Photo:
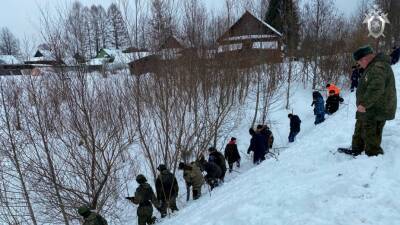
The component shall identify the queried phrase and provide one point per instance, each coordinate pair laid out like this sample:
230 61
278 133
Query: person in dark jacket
91 218
219 159
269 137
376 101
294 126
319 109
332 103
145 198
258 145
232 154
213 173
167 190
355 75
395 55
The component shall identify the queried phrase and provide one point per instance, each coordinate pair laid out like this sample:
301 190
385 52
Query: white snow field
310 183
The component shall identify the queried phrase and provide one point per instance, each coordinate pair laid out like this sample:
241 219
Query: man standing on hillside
294 126
376 101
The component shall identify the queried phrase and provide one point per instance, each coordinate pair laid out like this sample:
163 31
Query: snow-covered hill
310 183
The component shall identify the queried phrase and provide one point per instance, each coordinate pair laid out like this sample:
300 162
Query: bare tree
9 44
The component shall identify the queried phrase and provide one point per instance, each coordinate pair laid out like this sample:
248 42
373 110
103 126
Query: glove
130 198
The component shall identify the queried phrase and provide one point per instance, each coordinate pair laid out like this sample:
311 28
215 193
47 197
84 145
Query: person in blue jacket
319 107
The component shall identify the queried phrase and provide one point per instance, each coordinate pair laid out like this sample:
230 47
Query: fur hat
84 211
161 167
362 52
141 179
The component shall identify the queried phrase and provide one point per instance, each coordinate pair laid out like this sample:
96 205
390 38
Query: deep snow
310 183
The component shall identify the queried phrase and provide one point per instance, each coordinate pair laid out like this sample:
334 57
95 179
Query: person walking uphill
219 159
319 109
193 178
258 145
213 173
144 197
294 126
232 154
332 103
375 99
167 190
91 218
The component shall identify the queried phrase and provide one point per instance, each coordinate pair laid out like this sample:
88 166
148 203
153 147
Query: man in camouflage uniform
376 101
144 197
193 178
91 218
167 190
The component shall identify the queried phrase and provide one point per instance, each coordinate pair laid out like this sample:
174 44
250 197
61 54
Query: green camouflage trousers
145 215
368 137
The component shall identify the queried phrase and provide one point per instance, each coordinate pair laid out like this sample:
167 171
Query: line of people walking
376 103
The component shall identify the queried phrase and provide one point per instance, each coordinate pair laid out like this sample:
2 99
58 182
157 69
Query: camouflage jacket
377 91
193 176
144 196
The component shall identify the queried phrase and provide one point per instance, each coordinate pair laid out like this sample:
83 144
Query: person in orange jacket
332 87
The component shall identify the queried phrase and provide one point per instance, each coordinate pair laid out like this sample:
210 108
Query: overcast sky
21 16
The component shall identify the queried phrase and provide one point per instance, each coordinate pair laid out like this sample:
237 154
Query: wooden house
169 52
250 41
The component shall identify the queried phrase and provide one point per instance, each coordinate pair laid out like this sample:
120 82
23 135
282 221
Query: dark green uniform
91 218
167 191
377 93
193 178
144 197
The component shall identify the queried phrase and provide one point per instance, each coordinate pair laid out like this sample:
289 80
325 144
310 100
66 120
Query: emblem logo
376 21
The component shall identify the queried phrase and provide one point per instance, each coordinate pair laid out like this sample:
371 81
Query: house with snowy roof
250 41
168 54
116 58
44 56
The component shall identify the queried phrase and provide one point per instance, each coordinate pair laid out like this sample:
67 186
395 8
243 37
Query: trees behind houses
284 16
9 44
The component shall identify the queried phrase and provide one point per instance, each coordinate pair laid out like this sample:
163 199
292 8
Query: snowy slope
309 184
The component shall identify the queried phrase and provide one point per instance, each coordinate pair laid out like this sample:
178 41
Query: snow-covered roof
118 56
240 31
46 55
9 59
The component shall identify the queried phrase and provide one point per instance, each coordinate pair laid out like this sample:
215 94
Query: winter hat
233 139
141 179
161 167
328 85
84 211
362 52
212 149
259 126
290 115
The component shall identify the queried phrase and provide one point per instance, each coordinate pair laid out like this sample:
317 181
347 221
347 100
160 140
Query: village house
250 41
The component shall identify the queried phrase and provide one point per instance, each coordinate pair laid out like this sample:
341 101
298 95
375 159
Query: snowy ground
310 183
